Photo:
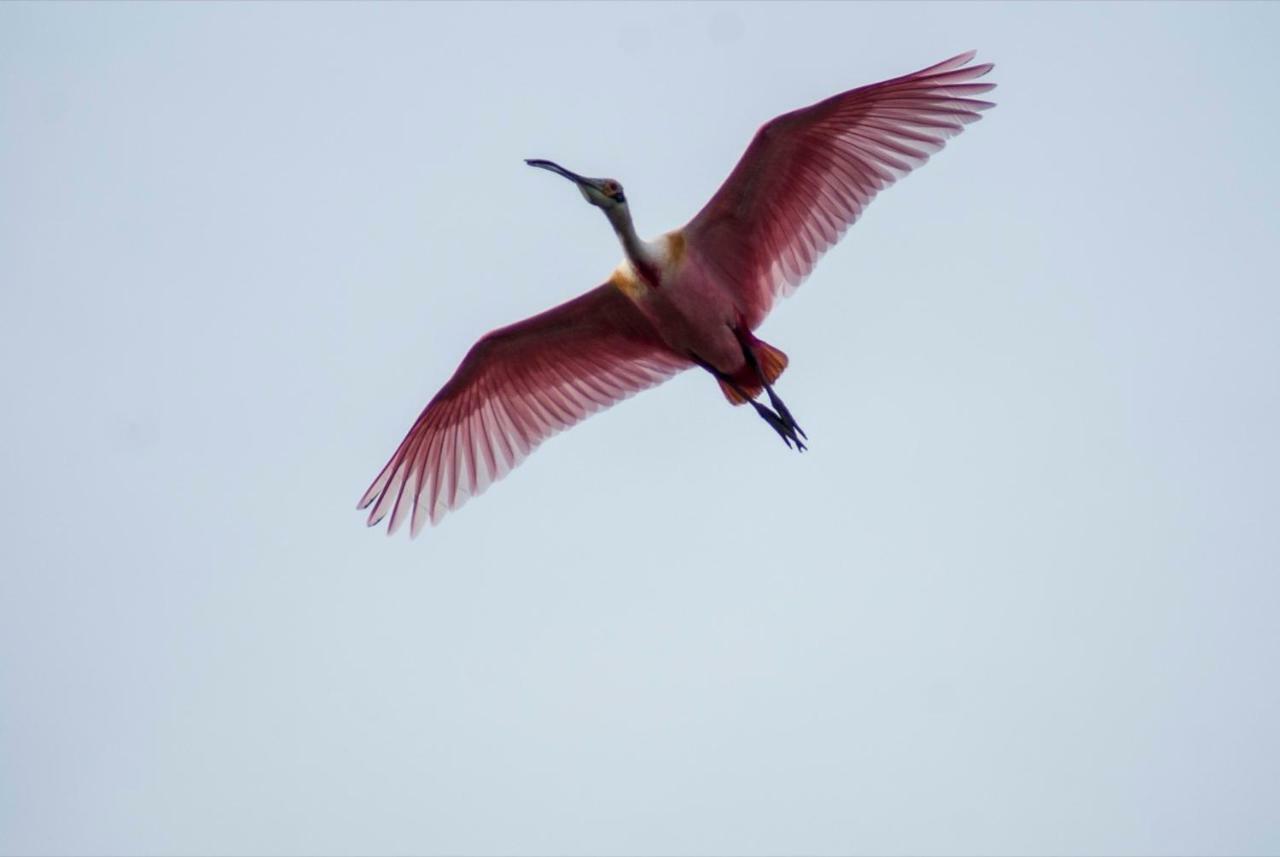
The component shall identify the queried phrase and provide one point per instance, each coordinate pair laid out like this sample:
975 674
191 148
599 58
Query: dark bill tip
555 168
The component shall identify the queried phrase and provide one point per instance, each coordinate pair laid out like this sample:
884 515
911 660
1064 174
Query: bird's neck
638 252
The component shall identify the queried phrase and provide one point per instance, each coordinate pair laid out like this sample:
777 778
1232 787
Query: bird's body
690 297
691 310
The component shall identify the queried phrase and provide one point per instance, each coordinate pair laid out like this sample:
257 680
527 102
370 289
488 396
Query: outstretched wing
808 174
515 388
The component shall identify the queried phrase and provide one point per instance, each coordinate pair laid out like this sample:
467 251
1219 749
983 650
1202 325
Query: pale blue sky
1020 596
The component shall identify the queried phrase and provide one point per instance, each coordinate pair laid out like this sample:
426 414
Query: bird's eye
613 190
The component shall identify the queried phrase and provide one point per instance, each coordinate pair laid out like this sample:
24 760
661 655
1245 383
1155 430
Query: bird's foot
785 427
785 414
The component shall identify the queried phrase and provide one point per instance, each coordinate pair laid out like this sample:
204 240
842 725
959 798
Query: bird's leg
778 406
777 423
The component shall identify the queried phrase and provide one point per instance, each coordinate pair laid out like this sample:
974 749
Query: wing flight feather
515 388
808 175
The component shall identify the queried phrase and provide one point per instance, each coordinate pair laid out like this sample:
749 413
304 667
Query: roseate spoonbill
691 297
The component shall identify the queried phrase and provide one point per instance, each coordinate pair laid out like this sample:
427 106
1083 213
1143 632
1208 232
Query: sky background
1020 596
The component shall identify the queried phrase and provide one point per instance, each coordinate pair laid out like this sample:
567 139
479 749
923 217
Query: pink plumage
518 386
808 174
690 298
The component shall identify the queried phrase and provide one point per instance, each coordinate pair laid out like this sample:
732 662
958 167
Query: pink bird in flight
689 298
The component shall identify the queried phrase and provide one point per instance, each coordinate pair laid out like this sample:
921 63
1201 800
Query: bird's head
602 193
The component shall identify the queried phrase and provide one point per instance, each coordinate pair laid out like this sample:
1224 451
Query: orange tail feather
772 362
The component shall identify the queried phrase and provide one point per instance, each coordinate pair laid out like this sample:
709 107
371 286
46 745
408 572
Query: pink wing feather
808 175
518 386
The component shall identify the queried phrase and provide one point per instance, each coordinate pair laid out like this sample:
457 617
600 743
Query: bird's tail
772 361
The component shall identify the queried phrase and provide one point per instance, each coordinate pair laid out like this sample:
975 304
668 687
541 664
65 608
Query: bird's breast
689 309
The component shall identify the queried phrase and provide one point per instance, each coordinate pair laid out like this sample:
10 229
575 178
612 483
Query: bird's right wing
808 175
516 387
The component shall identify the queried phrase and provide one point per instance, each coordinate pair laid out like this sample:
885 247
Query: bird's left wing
808 175
515 388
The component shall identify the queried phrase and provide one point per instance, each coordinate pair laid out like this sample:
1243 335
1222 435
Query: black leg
773 397
784 426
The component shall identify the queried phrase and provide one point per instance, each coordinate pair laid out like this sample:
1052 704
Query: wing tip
958 64
949 64
371 493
